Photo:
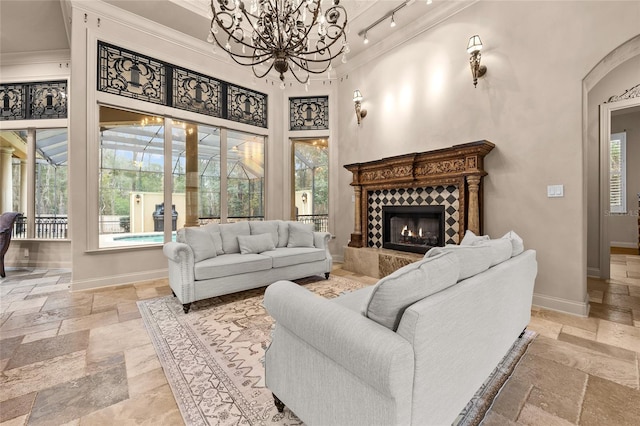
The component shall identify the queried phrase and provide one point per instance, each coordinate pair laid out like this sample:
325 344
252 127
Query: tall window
618 173
311 181
46 152
203 160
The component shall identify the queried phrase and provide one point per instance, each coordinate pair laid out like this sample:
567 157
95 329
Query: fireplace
413 228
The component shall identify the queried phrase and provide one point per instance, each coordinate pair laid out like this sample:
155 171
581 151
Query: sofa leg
174 293
279 404
186 307
326 275
522 334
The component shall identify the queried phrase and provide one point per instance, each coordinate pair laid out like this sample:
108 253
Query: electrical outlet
26 252
555 191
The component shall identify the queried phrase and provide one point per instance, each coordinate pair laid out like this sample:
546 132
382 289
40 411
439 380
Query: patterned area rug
212 357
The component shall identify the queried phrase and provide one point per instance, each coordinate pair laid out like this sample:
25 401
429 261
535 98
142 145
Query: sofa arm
372 352
181 270
321 240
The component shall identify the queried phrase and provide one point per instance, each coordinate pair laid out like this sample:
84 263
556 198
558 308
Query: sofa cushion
396 292
268 227
201 243
231 264
300 235
255 243
283 233
470 237
517 244
230 232
355 300
500 249
285 256
472 259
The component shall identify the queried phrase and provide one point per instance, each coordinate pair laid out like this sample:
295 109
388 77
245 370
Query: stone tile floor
85 358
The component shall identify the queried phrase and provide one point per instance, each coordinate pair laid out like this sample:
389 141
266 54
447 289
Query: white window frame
622 207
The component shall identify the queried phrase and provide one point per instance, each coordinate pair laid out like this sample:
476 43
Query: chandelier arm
334 40
265 73
298 78
305 66
313 23
260 58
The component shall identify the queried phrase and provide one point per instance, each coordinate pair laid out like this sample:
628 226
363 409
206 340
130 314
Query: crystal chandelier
298 36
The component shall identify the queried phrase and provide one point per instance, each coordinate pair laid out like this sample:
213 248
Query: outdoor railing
46 227
320 221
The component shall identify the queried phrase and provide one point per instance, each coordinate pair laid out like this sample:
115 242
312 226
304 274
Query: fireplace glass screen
413 228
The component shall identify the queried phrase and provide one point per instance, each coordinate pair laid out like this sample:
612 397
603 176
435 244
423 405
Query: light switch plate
555 191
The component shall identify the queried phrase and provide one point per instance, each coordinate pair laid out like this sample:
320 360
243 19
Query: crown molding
38 57
445 11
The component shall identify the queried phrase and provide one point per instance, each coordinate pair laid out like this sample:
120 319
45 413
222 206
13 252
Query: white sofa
218 259
413 349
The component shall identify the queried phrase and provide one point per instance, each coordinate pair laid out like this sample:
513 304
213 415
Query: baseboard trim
621 244
115 280
593 272
562 305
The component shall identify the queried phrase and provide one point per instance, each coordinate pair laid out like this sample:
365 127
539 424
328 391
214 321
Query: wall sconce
477 70
357 100
138 197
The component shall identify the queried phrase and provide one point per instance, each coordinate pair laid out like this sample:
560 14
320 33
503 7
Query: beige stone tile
49 289
154 407
622 300
114 338
16 407
88 322
596 296
597 284
141 359
579 332
618 289
145 382
111 298
588 324
611 313
41 335
41 375
26 330
614 351
147 293
590 361
494 419
634 291
18 421
545 327
620 335
25 311
27 304
608 403
535 416
511 398
556 405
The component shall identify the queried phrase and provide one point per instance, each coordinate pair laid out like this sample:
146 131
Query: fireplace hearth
414 229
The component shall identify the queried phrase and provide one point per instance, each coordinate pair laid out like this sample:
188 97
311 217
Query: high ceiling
38 25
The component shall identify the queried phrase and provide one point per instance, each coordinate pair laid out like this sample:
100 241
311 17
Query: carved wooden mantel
460 165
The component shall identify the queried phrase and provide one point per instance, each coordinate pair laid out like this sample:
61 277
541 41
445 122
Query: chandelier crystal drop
296 36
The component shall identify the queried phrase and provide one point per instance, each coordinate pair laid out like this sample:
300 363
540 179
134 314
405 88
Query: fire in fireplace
412 228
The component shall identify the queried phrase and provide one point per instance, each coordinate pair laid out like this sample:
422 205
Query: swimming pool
144 238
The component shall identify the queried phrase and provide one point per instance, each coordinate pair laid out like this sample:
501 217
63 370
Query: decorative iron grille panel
13 99
197 93
309 113
49 100
129 74
246 106
126 73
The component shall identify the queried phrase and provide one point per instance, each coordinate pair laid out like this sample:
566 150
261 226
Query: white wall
420 97
623 229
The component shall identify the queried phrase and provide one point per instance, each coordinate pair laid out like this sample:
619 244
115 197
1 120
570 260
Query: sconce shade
475 44
357 96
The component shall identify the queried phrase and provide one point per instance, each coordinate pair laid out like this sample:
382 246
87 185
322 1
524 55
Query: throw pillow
217 242
270 227
201 243
283 233
500 249
255 243
472 259
393 294
517 244
229 233
470 237
300 234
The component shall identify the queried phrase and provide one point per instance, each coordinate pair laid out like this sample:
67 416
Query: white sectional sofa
218 259
411 350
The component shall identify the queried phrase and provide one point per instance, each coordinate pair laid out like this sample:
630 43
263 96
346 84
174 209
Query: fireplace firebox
412 228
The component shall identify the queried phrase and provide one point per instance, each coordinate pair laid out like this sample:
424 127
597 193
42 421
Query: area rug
213 356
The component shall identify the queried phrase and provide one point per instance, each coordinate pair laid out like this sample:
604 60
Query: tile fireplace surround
451 177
